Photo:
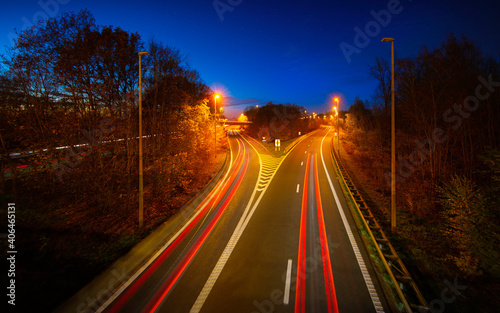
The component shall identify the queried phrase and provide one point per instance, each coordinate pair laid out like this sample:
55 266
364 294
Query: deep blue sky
280 51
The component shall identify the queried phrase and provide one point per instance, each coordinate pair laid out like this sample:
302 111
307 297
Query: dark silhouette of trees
447 112
282 121
360 115
71 82
68 92
381 71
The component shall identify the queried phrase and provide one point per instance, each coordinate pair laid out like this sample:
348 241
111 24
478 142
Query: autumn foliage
69 105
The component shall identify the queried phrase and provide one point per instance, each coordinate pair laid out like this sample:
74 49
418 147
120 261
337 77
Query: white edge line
286 297
354 245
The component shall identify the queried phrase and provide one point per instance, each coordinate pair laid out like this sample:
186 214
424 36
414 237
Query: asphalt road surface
275 235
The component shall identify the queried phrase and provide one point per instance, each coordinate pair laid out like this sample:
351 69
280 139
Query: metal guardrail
404 285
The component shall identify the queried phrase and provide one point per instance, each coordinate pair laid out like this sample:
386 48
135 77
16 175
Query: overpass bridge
232 123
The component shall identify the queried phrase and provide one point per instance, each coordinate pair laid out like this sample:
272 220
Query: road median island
91 297
286 146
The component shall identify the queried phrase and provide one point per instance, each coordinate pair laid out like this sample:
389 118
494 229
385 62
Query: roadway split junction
271 235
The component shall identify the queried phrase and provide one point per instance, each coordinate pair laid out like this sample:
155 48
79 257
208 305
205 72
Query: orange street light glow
219 91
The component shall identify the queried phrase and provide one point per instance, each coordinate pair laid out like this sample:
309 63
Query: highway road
275 235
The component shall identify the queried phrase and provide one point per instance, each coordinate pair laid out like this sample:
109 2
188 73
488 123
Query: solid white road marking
286 297
301 163
298 186
354 245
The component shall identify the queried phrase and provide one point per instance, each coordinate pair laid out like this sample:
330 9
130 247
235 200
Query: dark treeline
278 121
447 151
69 82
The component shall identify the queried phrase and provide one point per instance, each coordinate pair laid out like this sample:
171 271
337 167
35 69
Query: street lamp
338 126
141 181
215 124
393 141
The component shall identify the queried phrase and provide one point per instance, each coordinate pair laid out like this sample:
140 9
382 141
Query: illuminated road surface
270 238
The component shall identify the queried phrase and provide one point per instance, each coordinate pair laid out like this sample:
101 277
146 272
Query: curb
95 293
247 137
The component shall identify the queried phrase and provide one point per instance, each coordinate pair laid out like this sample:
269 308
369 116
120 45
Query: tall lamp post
215 124
141 181
393 141
338 126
